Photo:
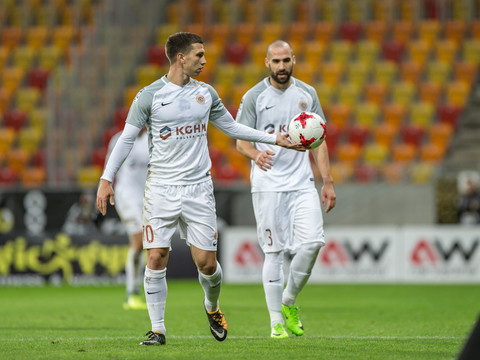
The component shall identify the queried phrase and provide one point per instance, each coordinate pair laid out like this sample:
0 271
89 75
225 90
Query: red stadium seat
412 134
393 51
38 78
350 31
120 116
108 134
236 53
15 119
357 135
8 176
448 113
99 155
156 55
366 173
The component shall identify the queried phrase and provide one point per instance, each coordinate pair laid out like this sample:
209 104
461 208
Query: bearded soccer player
285 200
176 110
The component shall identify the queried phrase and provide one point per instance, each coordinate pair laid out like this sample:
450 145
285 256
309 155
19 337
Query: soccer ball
307 128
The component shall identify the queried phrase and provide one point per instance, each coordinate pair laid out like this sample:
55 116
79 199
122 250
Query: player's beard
277 79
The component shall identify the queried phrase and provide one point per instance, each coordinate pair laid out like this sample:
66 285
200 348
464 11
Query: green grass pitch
341 322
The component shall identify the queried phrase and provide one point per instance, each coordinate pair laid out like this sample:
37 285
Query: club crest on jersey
200 99
165 132
302 105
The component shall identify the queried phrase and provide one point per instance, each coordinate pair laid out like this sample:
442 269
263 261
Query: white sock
134 271
300 271
273 280
211 285
155 284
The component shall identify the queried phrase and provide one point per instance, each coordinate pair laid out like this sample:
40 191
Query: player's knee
157 258
312 248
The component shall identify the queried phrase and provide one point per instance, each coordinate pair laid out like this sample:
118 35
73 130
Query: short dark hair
180 42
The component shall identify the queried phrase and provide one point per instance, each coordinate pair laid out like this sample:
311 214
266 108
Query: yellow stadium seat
238 90
29 139
332 72
446 51
5 98
27 98
366 114
418 51
227 74
314 52
325 93
421 113
324 31
349 93
304 71
130 94
367 51
49 57
358 72
37 36
246 33
457 93
271 31
251 73
428 30
12 78
438 72
89 175
62 36
341 51
298 31
258 53
38 117
384 72
421 173
403 93
7 138
4 55
164 31
341 171
375 154
465 72
471 50
145 74
384 133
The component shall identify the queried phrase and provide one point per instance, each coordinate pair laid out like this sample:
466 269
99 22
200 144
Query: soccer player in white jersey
176 110
129 187
285 200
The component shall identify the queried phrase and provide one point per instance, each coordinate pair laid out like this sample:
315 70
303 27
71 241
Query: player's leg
198 225
309 235
134 270
272 233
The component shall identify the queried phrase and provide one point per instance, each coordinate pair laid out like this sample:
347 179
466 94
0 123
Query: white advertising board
369 254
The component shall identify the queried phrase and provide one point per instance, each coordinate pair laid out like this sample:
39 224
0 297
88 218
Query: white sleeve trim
120 151
231 128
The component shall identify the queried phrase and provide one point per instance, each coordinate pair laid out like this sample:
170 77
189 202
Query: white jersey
269 109
131 177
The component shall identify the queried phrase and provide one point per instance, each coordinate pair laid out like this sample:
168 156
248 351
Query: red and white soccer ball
308 128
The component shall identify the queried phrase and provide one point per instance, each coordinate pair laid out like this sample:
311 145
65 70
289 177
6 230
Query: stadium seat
5 97
471 50
306 72
17 159
164 31
37 36
156 55
7 137
350 31
404 152
418 51
349 93
109 132
412 134
11 36
365 173
440 134
38 78
271 31
236 53
357 135
324 31
38 117
99 155
456 93
446 51
8 176
220 33
375 92
428 30
339 114
358 72
145 74
394 114
402 31
88 176
298 31
341 171
438 72
421 172
367 51
258 52
334 134
120 116
33 176
475 29
455 30
384 72
348 153
29 139
449 114
332 72
227 74
4 55
375 154
403 93
384 133
314 52
12 77
23 57
341 51
430 92
238 90
394 172
375 31
366 114
49 57
240 163
226 173
411 71
27 98
325 93
213 52
465 72
129 95
62 36
245 33
393 51
421 114
15 119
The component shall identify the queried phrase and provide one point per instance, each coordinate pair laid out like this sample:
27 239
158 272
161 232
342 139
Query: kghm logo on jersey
200 99
165 132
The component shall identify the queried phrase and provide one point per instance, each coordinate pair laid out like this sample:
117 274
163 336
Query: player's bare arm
263 159
104 194
328 195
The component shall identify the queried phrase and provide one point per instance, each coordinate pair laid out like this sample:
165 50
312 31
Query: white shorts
285 220
190 207
129 208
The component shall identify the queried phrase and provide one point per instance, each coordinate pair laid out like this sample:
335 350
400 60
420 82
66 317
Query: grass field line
194 337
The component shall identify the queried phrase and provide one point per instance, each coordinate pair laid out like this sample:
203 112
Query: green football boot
291 319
